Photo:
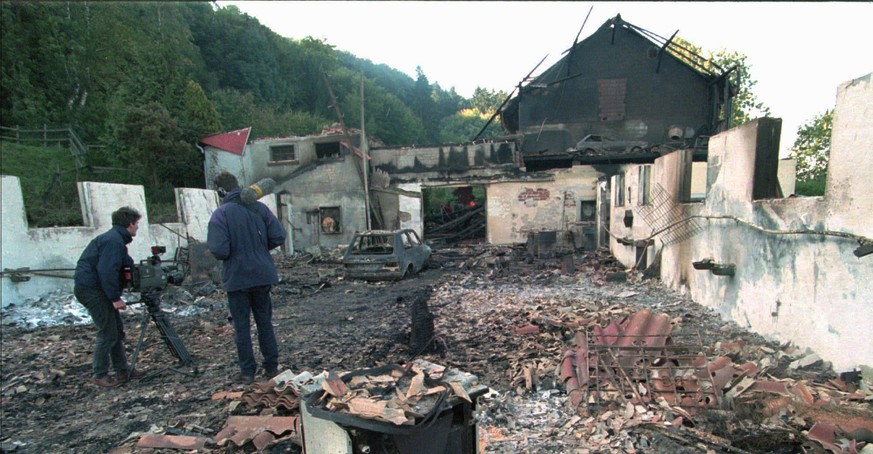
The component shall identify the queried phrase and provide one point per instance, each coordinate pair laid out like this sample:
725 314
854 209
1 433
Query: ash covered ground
481 298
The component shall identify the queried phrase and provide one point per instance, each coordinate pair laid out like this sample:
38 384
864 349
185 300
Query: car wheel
410 270
636 149
589 151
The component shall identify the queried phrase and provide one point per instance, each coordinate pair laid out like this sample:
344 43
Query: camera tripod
152 301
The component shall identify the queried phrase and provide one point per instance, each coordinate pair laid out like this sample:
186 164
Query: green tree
238 110
487 101
424 107
465 124
152 146
812 147
199 115
745 104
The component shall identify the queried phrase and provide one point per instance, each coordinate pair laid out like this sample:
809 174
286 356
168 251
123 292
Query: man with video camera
99 280
241 233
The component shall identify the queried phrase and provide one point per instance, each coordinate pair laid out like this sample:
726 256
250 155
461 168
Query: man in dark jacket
98 287
241 235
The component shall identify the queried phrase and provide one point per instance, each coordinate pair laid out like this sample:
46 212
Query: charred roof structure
623 83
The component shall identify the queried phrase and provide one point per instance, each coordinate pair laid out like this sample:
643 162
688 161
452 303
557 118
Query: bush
813 187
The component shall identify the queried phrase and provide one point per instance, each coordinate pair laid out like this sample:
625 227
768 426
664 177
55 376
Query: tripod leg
142 331
173 341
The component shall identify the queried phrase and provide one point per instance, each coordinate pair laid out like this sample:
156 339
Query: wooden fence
62 136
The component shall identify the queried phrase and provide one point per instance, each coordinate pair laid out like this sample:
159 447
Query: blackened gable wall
554 115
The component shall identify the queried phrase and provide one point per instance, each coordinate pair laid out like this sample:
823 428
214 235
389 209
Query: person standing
98 284
241 236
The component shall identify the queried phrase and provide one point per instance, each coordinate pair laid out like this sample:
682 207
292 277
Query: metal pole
365 151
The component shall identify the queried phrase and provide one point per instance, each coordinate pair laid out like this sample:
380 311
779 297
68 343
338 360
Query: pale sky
798 52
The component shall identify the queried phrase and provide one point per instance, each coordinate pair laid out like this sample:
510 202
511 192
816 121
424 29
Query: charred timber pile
456 226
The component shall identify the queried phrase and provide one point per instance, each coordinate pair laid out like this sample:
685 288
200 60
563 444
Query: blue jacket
100 265
242 237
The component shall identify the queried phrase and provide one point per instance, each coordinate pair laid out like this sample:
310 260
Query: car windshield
373 244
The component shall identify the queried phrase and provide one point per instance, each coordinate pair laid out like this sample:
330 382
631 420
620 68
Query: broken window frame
278 154
335 214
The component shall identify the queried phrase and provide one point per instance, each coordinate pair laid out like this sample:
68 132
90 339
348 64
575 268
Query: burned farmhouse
622 82
623 271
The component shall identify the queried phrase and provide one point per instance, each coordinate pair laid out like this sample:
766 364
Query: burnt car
385 254
592 143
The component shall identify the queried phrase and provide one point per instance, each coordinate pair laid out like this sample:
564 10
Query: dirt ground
479 297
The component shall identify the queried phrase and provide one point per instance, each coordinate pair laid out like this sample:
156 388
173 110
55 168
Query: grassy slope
48 179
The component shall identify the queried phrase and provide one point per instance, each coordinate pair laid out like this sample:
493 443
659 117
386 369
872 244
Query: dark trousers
255 301
110 331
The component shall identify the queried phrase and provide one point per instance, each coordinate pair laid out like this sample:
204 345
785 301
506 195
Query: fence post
17 133
44 135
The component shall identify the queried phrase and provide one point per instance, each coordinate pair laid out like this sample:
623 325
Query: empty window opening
645 191
410 240
377 244
692 178
282 153
330 219
619 190
327 150
587 211
765 182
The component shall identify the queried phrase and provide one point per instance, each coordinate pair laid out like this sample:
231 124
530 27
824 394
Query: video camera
149 278
151 275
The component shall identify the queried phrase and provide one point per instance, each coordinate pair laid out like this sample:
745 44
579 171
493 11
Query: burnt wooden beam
664 49
496 112
458 221
576 40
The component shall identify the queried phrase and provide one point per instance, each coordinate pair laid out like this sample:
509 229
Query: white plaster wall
412 206
516 208
217 161
850 166
807 289
195 207
59 247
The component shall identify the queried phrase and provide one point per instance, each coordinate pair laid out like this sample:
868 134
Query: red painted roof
233 141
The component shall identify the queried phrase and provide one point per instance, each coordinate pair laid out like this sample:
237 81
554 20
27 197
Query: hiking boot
122 376
270 373
106 381
243 379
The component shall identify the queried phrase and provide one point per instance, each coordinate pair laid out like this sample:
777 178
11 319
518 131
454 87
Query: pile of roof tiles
395 395
634 365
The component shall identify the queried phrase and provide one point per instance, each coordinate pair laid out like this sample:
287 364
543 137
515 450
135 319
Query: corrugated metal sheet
233 141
